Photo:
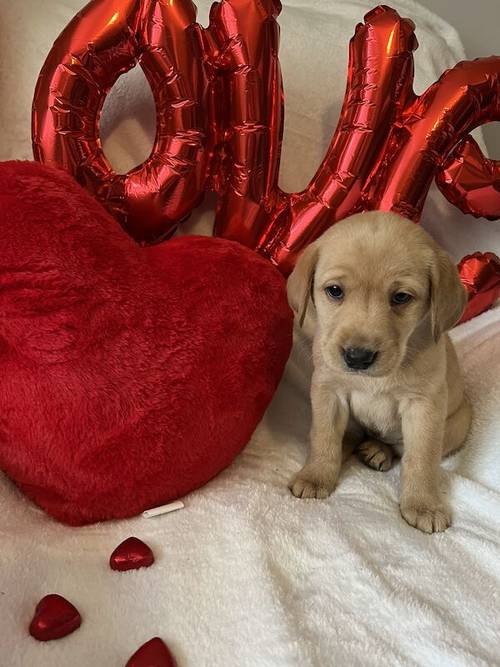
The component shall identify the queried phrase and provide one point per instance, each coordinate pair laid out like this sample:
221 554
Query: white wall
478 23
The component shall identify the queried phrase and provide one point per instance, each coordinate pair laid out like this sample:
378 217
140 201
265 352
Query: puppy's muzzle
358 358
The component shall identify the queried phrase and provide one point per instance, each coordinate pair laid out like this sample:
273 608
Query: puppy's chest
378 415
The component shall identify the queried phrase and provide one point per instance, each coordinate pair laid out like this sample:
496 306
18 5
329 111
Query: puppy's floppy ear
448 295
300 282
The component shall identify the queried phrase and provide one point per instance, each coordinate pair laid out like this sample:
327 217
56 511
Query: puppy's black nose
358 358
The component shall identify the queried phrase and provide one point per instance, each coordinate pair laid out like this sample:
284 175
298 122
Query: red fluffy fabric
128 376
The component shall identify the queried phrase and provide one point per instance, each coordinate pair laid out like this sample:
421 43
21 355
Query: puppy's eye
335 292
399 298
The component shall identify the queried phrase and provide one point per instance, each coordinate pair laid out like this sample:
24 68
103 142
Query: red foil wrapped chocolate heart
54 618
154 653
131 554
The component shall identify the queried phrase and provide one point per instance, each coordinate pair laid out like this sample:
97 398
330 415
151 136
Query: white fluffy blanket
247 575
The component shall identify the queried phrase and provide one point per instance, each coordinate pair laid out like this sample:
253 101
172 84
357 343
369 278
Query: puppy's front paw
427 517
313 482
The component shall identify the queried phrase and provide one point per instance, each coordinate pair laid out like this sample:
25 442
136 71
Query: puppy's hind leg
353 437
376 454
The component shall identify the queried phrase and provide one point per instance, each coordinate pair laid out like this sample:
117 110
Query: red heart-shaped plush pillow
128 376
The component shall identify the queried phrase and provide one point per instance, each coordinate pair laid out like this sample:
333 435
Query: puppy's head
376 286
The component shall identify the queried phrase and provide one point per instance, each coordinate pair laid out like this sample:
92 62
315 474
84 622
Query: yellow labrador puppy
377 295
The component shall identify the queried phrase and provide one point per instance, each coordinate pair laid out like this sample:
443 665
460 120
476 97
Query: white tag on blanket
163 509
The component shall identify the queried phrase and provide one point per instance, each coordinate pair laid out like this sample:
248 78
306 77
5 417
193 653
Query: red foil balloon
480 274
242 46
219 101
104 40
470 181
389 143
388 146
464 97
378 85
54 618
